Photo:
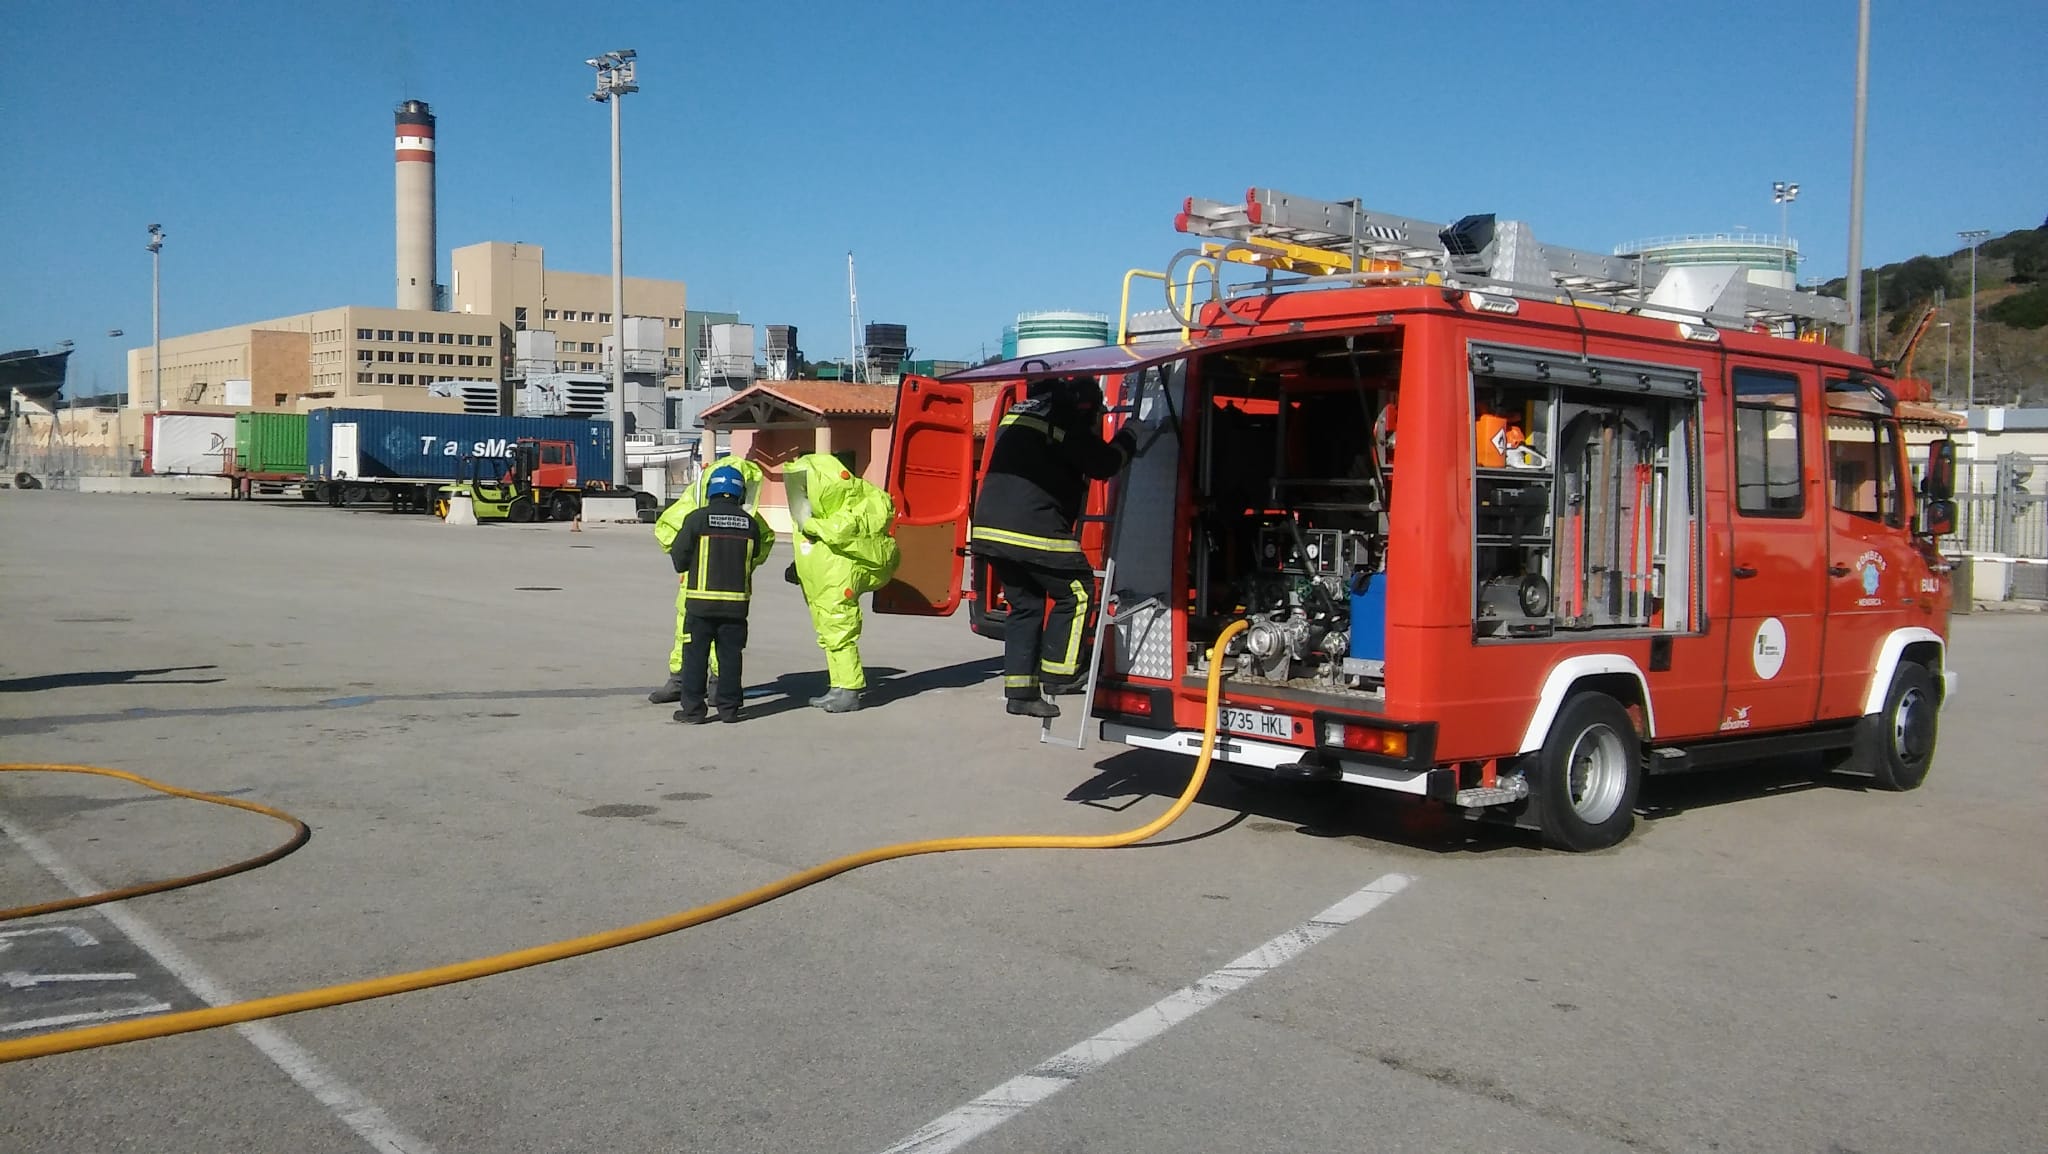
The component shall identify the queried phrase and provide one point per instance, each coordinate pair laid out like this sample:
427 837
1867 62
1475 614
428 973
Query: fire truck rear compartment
1291 493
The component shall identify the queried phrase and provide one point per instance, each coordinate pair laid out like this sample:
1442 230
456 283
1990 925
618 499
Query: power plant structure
414 140
1053 331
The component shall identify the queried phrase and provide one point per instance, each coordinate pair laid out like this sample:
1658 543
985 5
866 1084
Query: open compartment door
931 481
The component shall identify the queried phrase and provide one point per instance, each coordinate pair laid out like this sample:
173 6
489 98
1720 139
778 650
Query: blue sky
980 157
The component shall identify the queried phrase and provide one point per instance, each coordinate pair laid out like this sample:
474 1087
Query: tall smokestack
415 141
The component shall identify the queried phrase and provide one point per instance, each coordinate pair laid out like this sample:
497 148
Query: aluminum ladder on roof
1280 231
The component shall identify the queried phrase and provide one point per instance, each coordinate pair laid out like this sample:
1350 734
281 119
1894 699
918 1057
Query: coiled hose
277 1005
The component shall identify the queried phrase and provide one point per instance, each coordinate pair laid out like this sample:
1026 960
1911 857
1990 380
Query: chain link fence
53 460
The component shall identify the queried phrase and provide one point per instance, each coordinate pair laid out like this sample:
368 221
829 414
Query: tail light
1129 702
1365 738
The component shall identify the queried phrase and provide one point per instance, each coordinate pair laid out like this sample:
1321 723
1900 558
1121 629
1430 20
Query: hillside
2012 316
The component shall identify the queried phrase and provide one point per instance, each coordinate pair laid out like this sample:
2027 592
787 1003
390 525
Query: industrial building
368 356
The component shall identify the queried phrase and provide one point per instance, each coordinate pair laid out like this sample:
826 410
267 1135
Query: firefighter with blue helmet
1047 451
665 529
715 553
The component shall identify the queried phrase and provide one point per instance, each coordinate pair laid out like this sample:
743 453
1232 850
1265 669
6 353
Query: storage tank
1771 260
1059 330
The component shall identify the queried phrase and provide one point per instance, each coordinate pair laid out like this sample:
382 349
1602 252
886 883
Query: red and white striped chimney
416 253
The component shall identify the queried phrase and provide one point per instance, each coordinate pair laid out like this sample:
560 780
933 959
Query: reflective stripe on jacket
1037 484
716 550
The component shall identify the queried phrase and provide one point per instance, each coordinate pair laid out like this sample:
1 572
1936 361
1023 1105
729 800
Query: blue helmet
725 482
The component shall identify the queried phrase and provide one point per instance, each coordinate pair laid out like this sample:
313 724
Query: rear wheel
1588 774
1896 745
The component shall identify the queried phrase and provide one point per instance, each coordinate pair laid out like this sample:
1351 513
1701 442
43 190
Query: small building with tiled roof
775 422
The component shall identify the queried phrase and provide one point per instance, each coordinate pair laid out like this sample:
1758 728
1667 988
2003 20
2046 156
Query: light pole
1852 340
615 78
1948 349
1973 237
156 328
1784 194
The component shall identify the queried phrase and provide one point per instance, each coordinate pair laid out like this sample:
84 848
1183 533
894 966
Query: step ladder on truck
1514 526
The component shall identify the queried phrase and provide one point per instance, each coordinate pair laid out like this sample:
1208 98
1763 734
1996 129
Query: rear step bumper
1284 764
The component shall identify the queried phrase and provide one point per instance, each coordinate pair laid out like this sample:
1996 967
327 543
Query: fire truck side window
1863 468
1769 455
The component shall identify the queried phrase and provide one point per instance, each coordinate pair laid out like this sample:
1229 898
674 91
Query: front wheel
521 510
564 506
1588 774
1896 745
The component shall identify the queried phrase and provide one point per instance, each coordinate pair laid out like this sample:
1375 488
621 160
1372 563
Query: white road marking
23 980
77 936
345 1102
142 1004
999 1105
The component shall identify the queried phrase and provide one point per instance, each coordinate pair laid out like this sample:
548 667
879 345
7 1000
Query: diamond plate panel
1144 643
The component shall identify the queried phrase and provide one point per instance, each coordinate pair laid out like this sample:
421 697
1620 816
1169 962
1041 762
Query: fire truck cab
1507 538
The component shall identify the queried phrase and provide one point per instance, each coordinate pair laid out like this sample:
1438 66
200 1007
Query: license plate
1252 723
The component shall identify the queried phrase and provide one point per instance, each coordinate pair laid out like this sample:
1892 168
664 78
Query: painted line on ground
351 1106
997 1106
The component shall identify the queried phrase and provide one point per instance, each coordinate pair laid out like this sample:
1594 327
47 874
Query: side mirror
1940 481
1938 518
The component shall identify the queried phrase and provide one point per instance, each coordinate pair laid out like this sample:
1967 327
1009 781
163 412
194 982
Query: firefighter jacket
716 550
1037 483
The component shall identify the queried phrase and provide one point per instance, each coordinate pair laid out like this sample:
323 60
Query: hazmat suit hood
848 516
671 520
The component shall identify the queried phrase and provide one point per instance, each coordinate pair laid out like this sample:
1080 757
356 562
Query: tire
564 506
521 511
1896 747
1588 775
644 502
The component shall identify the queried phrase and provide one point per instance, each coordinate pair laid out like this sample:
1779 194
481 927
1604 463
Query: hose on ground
254 1009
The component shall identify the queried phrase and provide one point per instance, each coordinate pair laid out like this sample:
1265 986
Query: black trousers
1038 646
729 634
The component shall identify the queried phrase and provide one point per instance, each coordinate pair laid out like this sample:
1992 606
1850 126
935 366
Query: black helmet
1083 394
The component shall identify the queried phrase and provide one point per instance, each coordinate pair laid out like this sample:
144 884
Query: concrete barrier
597 509
181 486
461 511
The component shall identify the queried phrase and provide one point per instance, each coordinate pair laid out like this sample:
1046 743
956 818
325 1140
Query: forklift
499 488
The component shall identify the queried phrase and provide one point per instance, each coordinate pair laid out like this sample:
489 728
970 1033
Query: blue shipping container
390 445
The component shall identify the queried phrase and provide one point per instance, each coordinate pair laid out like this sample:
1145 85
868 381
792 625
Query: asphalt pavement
1774 962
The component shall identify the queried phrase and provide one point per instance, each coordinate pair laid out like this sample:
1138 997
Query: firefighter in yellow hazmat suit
665 529
843 550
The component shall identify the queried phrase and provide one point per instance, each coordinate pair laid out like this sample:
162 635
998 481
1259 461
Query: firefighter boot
838 700
1032 707
670 692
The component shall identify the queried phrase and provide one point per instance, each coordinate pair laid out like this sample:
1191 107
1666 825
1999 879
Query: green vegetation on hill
2012 316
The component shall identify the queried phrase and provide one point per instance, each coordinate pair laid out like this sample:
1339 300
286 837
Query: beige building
513 282
373 356
325 354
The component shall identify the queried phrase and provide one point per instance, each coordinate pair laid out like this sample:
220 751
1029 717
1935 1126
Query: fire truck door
1778 553
931 481
1874 579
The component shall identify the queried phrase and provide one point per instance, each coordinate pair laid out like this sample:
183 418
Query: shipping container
388 445
188 443
271 444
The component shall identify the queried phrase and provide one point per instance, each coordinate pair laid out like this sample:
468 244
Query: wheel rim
1596 774
1912 727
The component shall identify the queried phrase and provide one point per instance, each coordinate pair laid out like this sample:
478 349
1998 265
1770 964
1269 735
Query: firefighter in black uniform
1047 450
715 551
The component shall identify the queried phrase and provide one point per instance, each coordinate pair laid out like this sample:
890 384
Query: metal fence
51 459
2001 507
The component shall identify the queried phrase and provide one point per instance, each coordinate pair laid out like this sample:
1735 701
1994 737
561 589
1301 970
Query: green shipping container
271 443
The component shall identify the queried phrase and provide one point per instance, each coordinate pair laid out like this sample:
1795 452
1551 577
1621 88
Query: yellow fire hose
93 1037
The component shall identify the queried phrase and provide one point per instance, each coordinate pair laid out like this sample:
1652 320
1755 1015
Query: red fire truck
1513 526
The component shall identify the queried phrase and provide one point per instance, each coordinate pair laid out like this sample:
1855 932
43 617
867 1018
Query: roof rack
1343 240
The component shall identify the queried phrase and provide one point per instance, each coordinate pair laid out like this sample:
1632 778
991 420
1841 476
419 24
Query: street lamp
1973 237
1948 348
156 328
615 78
1784 194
